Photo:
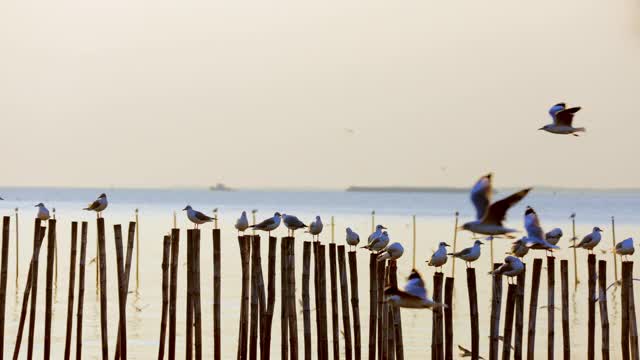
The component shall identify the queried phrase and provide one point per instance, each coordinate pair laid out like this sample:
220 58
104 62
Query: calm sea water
434 214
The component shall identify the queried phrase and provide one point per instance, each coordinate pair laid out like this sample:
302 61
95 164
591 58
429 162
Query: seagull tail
438 306
88 209
581 129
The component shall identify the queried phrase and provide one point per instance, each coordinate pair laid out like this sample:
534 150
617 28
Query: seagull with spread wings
563 120
414 295
197 217
98 205
536 238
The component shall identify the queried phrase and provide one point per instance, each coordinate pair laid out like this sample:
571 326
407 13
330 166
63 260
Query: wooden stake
496 304
291 299
122 303
508 321
34 292
253 324
551 308
615 256
355 304
72 278
51 245
533 308
627 281
473 313
127 274
437 346
602 300
397 318
333 275
306 301
3 279
633 326
284 309
344 295
322 282
592 307
166 249
82 263
189 298
382 312
519 331
197 301
217 277
448 318
173 291
245 252
271 297
566 335
373 304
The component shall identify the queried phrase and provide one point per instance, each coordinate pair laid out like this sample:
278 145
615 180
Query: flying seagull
519 248
197 217
562 120
535 239
98 205
414 295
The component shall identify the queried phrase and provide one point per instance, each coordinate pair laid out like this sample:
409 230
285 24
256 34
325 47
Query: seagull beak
447 245
481 243
541 128
184 209
384 228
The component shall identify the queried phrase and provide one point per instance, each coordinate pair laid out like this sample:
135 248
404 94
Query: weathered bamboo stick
217 277
131 235
397 318
166 249
344 296
243 329
137 226
333 276
508 321
519 331
613 244
291 299
373 304
575 255
3 279
34 293
591 344
533 308
551 306
82 263
284 309
355 304
602 300
496 306
262 302
322 282
189 298
566 335
173 291
438 343
122 303
627 280
633 326
197 301
51 245
381 268
72 278
316 293
17 245
391 341
253 320
448 318
102 255
271 297
473 313
306 301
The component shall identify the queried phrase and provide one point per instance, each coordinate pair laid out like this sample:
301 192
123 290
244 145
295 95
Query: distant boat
220 187
407 189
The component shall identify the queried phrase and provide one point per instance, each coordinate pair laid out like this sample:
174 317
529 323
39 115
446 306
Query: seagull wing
565 117
202 217
585 240
532 224
415 286
463 252
481 195
265 223
503 268
94 205
497 211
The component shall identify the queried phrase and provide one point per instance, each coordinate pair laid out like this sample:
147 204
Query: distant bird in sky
519 248
292 223
553 236
391 252
414 295
197 217
489 216
43 212
353 239
469 254
242 223
439 257
512 267
315 228
98 205
625 247
590 241
269 224
378 243
562 120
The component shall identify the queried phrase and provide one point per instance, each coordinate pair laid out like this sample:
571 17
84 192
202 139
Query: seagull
242 223
352 239
98 205
562 120
43 213
378 243
489 217
553 236
625 247
292 223
512 267
535 238
391 252
197 217
269 224
469 254
376 234
315 228
439 257
519 248
414 295
590 241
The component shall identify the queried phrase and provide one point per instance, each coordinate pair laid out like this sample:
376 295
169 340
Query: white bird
269 224
553 236
43 212
414 295
242 223
562 120
98 205
376 234
535 238
391 252
489 216
315 228
197 217
519 248
590 241
292 223
378 243
439 257
625 247
353 239
512 267
469 254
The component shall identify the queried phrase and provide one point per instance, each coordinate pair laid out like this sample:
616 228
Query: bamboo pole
355 304
117 230
566 336
633 326
382 312
166 249
271 297
316 293
455 248
102 257
217 277
448 318
519 331
82 263
591 261
173 291
127 274
51 245
575 255
533 308
437 346
322 282
245 252
397 318
3 279
197 301
34 292
306 301
344 295
496 303
413 259
627 280
473 313
137 252
189 298
551 284
262 303
373 220
55 255
70 298
602 300
291 299
284 309
333 275
373 305
17 245
613 244
253 324
508 321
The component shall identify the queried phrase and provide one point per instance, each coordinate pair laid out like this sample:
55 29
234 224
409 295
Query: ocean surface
434 223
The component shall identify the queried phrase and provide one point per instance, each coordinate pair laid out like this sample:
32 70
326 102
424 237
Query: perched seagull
562 120
519 248
489 216
242 223
553 236
98 205
413 296
376 234
512 267
469 254
391 252
43 213
197 217
352 239
269 224
590 241
439 257
292 223
625 247
315 228
378 243
535 238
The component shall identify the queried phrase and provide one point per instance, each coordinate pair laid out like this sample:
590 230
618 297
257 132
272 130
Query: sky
317 94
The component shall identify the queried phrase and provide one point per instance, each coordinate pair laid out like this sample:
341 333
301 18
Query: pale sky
258 93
